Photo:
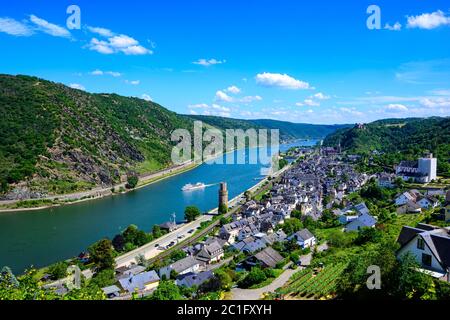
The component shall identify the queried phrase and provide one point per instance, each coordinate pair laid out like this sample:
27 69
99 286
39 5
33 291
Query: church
423 170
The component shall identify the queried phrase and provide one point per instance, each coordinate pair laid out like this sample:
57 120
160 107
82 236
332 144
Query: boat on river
192 187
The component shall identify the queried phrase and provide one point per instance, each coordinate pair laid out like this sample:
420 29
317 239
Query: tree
101 254
368 235
156 231
132 182
255 276
292 225
296 214
118 243
135 236
223 209
411 284
103 278
191 213
339 239
58 270
177 255
167 290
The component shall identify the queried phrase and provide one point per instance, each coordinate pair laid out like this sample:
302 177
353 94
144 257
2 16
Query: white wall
412 248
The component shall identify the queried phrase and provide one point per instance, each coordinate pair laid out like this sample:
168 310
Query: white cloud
428 20
396 27
133 82
441 92
122 41
281 81
113 73
50 28
435 102
396 108
136 50
248 99
311 103
146 97
208 62
100 46
116 43
101 31
77 86
222 96
352 111
101 73
233 90
210 110
321 96
14 28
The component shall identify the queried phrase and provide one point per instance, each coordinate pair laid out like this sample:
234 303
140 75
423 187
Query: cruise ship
190 187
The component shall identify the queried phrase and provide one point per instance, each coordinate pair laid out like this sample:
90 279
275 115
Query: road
152 254
256 294
100 192
151 249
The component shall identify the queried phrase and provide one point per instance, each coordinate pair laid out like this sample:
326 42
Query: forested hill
288 130
58 140
62 140
399 139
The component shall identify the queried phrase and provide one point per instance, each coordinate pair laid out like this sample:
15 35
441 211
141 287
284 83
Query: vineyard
306 284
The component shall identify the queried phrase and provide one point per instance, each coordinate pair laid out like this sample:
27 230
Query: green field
310 285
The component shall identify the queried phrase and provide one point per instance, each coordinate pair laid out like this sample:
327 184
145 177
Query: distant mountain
399 138
288 130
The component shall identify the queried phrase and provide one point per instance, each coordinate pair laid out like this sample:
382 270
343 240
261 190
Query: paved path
256 294
99 192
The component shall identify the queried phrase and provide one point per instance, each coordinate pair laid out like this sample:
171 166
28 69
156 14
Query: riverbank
95 194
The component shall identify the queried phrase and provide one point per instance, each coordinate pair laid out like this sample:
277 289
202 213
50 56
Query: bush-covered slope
399 139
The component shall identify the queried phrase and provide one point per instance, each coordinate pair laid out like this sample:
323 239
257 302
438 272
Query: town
284 238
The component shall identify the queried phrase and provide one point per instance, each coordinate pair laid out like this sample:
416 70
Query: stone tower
223 195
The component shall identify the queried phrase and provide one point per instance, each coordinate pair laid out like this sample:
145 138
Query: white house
364 219
430 246
405 197
304 238
142 282
427 202
183 266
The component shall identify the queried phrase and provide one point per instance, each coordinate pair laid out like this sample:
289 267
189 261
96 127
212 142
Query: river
40 238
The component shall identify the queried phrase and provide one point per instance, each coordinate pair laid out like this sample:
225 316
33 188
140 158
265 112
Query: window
420 244
426 259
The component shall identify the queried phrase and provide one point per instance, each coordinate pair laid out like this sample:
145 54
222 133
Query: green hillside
399 139
60 140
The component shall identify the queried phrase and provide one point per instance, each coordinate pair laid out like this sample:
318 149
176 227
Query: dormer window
420 244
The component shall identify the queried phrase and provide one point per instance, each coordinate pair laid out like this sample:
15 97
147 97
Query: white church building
423 170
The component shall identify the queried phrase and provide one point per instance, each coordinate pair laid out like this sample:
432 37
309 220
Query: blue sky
300 61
